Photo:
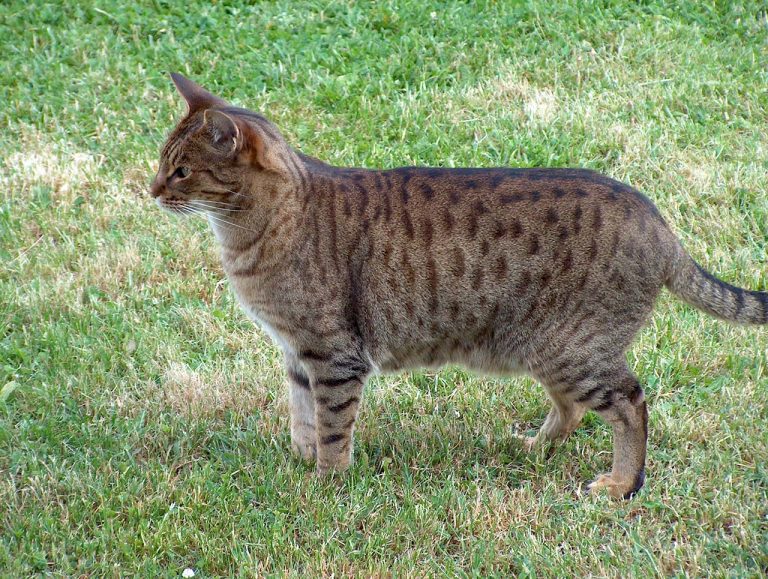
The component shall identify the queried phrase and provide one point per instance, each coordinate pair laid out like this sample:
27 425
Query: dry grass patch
39 161
193 394
198 394
542 106
509 93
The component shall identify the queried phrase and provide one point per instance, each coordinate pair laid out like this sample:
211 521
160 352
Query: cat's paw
304 449
327 470
529 443
332 462
617 487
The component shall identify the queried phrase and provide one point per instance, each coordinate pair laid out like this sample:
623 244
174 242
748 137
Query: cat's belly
477 358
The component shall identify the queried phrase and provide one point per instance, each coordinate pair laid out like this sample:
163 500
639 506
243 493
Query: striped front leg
337 377
337 400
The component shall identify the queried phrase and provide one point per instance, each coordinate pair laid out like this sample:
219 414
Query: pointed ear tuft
196 96
225 135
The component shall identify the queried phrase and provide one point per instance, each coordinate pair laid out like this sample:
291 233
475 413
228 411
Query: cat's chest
264 307
270 326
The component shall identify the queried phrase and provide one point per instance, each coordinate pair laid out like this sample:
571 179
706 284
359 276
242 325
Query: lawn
143 418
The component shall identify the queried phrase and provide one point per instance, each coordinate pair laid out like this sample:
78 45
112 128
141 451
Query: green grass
143 419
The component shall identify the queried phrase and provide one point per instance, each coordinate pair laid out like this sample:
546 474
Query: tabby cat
548 272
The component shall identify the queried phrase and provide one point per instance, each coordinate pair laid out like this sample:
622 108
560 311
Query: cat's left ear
196 96
225 136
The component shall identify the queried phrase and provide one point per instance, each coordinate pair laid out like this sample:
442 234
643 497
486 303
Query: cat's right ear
223 133
197 97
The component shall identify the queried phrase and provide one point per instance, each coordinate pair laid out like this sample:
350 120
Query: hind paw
529 443
617 487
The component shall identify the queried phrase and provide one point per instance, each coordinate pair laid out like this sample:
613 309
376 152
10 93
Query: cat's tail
701 289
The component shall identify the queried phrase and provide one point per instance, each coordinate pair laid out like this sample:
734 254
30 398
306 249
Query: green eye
182 172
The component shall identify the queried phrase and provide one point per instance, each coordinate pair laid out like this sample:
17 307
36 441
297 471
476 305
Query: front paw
327 469
332 460
304 445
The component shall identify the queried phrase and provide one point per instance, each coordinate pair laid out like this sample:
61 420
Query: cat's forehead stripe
175 143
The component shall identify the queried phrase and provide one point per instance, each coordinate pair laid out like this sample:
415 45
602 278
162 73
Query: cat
547 272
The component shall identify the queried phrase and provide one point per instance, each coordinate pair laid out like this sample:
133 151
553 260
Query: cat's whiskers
236 193
224 204
211 205
221 221
186 209
215 202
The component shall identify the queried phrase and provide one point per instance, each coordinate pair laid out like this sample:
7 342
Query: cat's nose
155 188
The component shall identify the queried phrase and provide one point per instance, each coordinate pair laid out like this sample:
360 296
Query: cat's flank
548 272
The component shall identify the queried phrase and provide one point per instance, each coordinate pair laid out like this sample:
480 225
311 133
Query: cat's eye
182 172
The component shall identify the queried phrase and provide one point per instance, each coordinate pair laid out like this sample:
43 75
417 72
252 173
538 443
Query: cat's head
218 157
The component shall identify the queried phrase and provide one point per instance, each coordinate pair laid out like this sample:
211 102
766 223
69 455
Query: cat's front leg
302 403
337 385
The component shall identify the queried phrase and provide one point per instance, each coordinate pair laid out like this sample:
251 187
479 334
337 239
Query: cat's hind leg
563 418
608 387
624 408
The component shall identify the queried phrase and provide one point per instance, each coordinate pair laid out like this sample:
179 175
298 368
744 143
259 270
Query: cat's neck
274 204
236 229
241 227
264 225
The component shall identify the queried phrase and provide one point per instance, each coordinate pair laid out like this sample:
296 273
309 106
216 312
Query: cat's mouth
175 205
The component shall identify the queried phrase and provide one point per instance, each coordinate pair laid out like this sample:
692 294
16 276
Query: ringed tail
703 290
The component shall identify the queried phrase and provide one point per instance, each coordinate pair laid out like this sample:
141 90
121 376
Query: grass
143 419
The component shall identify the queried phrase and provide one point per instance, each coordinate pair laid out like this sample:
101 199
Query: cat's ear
225 135
196 96
227 138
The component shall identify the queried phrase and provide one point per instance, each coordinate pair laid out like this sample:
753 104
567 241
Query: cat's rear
503 269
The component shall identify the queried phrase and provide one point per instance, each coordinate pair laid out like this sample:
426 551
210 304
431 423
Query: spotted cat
547 272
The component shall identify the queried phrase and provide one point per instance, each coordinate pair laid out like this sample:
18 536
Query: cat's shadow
469 453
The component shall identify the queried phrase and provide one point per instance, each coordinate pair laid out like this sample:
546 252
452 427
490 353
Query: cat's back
489 220
517 192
